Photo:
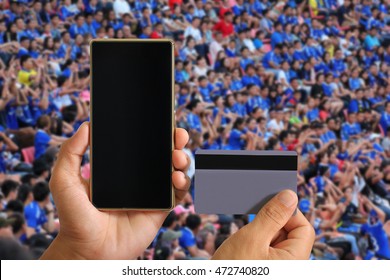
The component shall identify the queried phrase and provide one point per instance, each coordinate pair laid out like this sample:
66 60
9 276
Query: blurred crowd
305 75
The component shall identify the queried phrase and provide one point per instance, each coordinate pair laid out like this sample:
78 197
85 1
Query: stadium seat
151 254
381 130
344 28
266 41
28 154
323 115
253 32
386 227
86 171
345 112
267 47
210 59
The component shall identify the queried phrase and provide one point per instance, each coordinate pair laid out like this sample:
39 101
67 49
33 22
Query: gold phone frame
173 126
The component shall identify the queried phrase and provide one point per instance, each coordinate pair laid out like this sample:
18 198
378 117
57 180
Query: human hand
39 62
331 250
74 67
15 46
233 117
378 160
330 234
274 234
364 199
349 166
49 207
87 233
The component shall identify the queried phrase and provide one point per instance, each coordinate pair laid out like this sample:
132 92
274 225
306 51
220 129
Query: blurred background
311 76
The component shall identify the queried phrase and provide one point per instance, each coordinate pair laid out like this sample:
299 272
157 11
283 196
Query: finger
180 160
181 138
300 237
181 183
68 166
275 214
69 158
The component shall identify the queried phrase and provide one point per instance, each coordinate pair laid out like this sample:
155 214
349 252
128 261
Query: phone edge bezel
173 125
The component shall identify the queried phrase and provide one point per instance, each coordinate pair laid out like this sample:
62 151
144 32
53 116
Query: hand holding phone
86 232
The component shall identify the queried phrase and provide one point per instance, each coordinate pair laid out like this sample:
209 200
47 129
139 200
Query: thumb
275 214
69 158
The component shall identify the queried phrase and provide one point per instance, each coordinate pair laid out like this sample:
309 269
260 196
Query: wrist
60 250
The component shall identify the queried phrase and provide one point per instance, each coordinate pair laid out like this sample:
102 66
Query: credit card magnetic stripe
246 162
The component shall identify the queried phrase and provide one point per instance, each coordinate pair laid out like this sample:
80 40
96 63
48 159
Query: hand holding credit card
241 182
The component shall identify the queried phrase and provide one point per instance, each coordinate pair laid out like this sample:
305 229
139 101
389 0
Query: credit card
241 182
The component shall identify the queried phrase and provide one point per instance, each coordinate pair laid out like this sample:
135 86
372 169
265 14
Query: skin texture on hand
274 234
87 233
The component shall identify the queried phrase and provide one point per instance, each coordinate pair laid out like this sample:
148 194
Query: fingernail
287 198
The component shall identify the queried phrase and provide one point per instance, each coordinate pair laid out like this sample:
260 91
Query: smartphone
132 124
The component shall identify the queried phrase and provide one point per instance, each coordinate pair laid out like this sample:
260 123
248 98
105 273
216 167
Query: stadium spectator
187 240
39 213
42 137
9 188
170 239
25 194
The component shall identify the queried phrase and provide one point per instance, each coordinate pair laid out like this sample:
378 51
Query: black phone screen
131 136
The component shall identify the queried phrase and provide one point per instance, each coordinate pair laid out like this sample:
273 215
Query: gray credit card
241 182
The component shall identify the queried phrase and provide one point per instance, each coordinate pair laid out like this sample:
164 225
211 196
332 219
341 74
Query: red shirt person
173 3
158 31
224 8
225 26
